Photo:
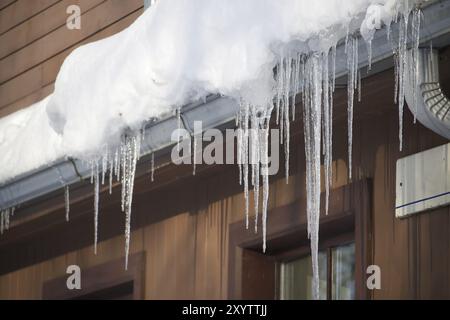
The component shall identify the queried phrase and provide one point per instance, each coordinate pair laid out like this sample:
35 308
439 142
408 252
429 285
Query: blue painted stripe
424 199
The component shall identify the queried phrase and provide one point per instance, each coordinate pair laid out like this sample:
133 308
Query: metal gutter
217 112
214 112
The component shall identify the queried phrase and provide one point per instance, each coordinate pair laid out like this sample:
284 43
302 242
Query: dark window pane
343 272
296 278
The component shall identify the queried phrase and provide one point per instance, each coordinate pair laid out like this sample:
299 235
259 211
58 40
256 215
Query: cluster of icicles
119 165
312 75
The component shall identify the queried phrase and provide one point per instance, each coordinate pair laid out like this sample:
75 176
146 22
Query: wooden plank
40 25
5 3
13 93
258 285
27 100
20 11
62 38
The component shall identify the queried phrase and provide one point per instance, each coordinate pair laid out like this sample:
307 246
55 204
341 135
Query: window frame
349 214
304 251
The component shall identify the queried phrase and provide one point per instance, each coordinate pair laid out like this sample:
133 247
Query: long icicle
352 78
312 127
67 202
96 200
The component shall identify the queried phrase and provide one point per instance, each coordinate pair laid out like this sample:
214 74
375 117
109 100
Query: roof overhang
215 112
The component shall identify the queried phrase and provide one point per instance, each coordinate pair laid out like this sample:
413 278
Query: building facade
189 239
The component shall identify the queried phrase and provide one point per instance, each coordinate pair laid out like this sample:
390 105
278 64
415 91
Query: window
343 272
336 275
284 271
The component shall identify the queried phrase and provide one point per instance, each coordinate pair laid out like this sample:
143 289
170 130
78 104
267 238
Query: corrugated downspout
430 105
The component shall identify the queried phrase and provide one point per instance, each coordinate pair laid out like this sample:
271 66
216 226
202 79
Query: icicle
111 164
396 67
194 156
333 64
326 127
67 201
330 136
295 86
152 175
4 219
104 164
286 105
403 27
312 127
239 149
245 155
253 154
255 160
7 219
359 86
132 150
2 222
143 133
96 198
178 115
5 216
265 176
280 84
352 67
117 164
92 172
137 146
369 53
414 68
123 161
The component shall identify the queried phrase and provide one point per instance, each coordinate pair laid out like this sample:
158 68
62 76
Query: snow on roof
27 141
175 52
179 51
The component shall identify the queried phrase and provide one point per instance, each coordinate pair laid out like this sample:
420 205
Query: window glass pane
343 272
296 278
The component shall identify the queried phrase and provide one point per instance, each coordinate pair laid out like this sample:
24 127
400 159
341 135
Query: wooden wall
187 254
34 41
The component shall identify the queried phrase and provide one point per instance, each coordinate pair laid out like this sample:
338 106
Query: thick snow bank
27 141
175 52
181 50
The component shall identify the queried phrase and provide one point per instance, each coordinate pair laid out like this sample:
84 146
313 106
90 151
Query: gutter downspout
429 104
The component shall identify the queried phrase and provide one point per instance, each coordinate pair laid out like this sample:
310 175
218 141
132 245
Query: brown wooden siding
187 249
187 254
34 42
